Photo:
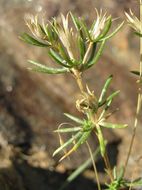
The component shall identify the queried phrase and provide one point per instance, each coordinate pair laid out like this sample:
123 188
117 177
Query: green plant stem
139 99
94 166
79 81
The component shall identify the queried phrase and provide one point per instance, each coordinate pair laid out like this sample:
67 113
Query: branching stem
79 81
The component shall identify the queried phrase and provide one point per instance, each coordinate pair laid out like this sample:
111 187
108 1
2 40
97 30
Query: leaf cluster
78 47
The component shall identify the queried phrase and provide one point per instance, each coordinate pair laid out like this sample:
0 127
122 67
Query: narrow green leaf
64 54
82 139
109 100
138 34
106 29
82 47
58 58
97 56
113 126
92 55
67 130
76 119
113 33
30 40
78 25
76 136
85 29
113 95
105 88
44 69
75 21
101 140
136 72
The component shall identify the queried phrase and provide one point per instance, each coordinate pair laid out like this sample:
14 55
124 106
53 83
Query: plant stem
139 99
91 116
94 166
78 78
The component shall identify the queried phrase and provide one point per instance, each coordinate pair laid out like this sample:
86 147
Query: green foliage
44 69
32 41
76 49
73 48
119 181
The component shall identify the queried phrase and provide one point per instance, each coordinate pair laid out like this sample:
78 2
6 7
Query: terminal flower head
68 37
99 25
36 29
134 22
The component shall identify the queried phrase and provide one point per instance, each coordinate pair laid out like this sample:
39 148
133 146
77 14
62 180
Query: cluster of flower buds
74 48
134 22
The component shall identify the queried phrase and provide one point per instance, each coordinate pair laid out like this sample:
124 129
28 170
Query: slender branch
78 79
139 99
94 166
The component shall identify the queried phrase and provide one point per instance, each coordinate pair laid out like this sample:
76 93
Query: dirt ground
32 105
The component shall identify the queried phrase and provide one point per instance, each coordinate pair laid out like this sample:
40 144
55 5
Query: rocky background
31 104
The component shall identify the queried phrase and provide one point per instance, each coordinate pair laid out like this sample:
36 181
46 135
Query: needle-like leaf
76 119
113 33
105 88
68 130
97 56
136 72
58 58
76 136
30 40
44 69
106 29
113 126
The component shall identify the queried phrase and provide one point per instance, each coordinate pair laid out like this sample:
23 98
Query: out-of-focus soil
32 105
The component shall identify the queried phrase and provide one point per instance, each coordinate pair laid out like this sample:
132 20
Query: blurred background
32 104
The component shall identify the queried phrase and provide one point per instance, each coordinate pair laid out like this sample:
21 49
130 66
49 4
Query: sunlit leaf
92 54
113 33
113 126
67 130
30 40
70 141
106 28
101 140
75 21
58 58
76 119
97 56
105 88
44 69
82 47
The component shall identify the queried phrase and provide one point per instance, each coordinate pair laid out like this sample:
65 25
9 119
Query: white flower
68 37
99 24
34 26
134 22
